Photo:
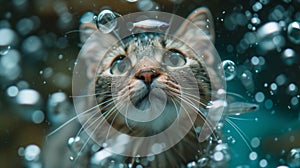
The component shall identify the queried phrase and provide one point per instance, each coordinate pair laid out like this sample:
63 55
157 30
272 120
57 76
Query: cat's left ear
202 18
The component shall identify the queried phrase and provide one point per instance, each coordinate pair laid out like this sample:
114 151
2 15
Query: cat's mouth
141 101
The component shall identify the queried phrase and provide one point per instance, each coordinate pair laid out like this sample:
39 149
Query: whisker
240 132
241 119
96 94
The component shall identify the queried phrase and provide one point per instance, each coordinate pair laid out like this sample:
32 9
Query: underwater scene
46 67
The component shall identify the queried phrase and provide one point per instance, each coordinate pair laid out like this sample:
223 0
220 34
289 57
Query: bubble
8 38
202 162
21 151
59 109
257 6
77 145
28 97
292 89
4 50
32 44
255 142
294 32
268 104
269 37
273 86
263 163
145 5
229 69
192 165
218 156
38 117
62 80
282 166
294 101
177 1
25 26
289 56
259 97
255 20
60 56
253 156
255 60
12 91
106 21
280 80
32 153
88 17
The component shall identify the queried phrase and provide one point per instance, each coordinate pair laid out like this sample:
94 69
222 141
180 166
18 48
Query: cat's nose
147 75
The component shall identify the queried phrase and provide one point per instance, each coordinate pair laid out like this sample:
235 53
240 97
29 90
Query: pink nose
147 75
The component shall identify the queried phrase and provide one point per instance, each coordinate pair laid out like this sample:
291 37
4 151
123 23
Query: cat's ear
202 19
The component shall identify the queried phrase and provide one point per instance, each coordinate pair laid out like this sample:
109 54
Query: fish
150 24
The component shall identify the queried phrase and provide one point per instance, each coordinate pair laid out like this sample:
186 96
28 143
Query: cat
132 79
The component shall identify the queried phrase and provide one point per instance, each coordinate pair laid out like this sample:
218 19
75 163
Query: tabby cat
134 78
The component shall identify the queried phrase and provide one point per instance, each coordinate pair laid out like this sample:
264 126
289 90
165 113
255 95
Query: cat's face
144 73
140 82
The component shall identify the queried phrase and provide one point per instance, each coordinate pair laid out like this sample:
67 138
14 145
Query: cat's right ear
86 30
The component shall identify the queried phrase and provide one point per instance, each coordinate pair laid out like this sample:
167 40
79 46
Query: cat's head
146 77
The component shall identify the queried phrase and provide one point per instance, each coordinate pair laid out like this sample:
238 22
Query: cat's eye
120 65
174 58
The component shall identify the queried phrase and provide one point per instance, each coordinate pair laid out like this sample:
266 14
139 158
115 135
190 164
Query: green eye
120 65
174 58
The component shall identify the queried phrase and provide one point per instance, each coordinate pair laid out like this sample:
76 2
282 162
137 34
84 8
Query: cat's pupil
174 58
121 65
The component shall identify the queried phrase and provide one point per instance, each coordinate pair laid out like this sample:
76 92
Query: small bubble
280 79
259 97
292 89
268 104
218 156
229 69
132 0
77 145
282 166
60 56
294 101
263 163
38 117
254 60
32 153
289 56
21 151
253 156
255 142
273 86
192 165
106 21
202 162
294 32
71 158
28 97
12 91
257 6
87 17
145 5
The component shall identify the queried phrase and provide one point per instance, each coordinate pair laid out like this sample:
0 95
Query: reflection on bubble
106 21
294 32
229 69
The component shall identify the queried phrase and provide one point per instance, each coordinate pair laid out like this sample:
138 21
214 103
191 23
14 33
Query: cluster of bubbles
32 155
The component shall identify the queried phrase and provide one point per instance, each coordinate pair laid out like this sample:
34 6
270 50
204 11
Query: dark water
39 46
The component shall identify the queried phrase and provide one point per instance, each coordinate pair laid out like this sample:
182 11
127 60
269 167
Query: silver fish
151 24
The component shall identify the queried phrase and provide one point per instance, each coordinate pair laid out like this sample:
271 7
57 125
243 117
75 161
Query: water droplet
229 69
259 97
289 56
294 32
32 153
77 145
253 156
263 163
255 142
106 21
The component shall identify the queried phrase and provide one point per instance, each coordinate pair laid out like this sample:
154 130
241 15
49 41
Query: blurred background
259 41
